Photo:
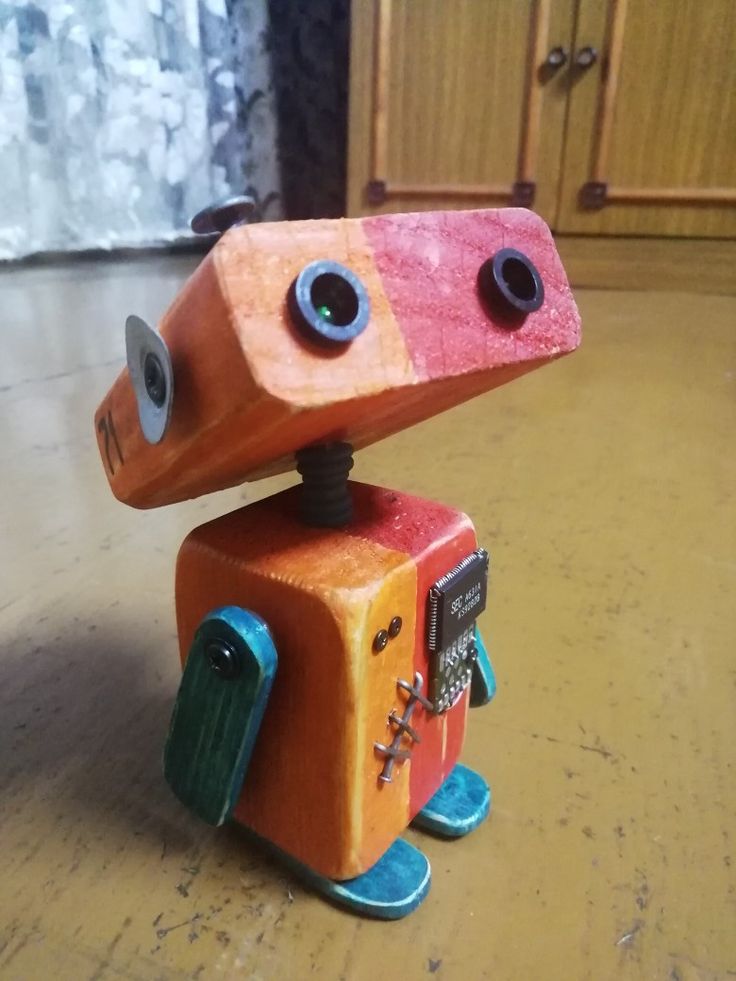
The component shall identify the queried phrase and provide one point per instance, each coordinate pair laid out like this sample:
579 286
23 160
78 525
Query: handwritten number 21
107 427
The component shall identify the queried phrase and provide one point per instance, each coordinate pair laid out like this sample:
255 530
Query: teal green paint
460 805
215 721
390 889
483 682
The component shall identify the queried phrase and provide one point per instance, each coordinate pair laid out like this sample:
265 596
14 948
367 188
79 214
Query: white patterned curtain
119 119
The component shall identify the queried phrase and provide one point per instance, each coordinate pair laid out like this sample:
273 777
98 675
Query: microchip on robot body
457 599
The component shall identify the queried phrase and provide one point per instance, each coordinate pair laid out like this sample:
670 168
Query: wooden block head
296 333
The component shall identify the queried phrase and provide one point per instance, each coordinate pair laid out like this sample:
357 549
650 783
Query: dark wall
310 51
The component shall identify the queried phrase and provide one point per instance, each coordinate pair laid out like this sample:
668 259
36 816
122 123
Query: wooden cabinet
608 117
651 133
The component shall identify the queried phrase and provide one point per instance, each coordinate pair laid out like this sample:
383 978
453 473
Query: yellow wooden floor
604 488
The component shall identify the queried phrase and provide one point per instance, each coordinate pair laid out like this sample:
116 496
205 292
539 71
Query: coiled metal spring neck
326 500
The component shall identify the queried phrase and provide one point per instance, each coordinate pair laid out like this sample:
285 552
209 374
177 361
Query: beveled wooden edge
642 263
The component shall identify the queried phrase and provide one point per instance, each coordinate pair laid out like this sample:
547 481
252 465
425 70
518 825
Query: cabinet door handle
556 58
586 57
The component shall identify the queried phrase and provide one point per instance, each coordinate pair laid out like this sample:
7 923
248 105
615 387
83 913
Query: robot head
297 333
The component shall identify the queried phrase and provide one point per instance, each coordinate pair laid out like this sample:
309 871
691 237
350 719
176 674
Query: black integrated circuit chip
457 599
455 602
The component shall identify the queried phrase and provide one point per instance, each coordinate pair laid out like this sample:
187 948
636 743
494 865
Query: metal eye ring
152 377
511 285
328 303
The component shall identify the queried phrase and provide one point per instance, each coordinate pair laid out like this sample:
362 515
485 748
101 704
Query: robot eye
328 303
149 366
510 284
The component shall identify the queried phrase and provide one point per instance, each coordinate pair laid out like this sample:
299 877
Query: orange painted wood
313 787
250 390
437 538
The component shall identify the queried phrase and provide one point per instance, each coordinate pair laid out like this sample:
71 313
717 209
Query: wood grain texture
666 264
676 195
381 69
608 89
463 102
250 390
655 115
428 192
443 323
312 786
217 715
537 48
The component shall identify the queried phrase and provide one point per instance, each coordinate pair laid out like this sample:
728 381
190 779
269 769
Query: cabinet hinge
593 194
522 194
375 192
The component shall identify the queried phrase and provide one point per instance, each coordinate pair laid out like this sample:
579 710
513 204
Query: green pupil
325 312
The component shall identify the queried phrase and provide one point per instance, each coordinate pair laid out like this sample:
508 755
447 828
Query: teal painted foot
395 886
461 804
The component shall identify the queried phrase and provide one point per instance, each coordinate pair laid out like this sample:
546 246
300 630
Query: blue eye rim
325 287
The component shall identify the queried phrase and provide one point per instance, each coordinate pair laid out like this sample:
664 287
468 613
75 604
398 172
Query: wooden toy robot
328 634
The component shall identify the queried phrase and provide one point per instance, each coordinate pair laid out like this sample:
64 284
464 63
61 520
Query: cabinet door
651 136
447 99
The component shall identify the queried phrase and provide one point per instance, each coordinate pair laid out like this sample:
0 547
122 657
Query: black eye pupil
334 299
519 279
154 379
328 303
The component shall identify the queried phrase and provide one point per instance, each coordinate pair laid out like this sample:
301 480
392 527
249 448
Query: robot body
314 788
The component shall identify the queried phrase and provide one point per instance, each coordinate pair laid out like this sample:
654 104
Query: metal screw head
154 379
380 641
223 659
394 628
152 376
218 217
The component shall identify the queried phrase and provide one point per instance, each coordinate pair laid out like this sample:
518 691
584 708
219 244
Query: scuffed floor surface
603 487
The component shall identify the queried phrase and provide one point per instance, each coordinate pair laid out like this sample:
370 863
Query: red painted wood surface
428 263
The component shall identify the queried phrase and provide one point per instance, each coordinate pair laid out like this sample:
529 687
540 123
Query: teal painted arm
222 697
483 682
